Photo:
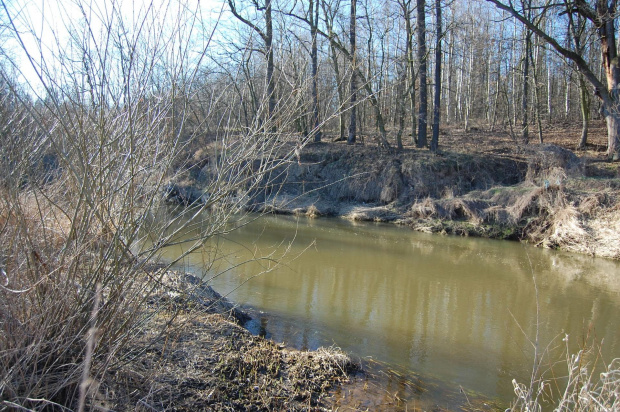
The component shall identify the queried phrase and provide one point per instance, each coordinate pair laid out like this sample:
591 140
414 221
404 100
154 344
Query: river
458 312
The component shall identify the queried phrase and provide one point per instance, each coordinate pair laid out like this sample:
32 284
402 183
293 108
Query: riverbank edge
553 218
541 194
196 355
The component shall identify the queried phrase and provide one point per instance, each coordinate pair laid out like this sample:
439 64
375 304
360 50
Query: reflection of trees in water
455 306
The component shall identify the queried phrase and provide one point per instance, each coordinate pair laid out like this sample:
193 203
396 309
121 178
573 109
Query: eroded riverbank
483 185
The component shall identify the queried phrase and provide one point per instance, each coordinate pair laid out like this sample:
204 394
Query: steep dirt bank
479 184
544 194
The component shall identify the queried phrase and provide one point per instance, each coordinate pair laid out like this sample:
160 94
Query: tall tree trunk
405 6
353 91
548 57
449 76
400 105
513 67
526 80
342 118
412 80
422 61
497 83
537 108
271 85
549 94
342 121
489 105
267 37
458 112
314 21
437 98
577 28
469 94
584 101
567 95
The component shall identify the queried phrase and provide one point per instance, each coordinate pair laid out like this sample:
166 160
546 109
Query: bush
81 188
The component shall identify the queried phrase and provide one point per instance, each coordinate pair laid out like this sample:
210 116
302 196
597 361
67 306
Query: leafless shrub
83 172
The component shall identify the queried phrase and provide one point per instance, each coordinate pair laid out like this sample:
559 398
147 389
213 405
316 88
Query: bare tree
313 14
353 83
266 34
422 64
437 97
603 15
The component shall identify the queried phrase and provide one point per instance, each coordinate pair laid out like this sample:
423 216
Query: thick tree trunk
607 35
411 68
603 16
612 118
422 60
342 121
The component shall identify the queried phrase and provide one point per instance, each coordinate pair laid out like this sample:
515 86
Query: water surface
460 311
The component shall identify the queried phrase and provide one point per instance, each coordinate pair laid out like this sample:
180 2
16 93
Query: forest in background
310 67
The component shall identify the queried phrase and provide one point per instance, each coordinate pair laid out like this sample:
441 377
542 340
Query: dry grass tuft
313 212
460 208
566 230
371 214
576 388
424 209
526 204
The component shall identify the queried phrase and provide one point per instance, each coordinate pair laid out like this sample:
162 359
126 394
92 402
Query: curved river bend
459 311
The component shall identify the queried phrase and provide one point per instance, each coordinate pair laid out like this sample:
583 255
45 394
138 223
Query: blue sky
43 25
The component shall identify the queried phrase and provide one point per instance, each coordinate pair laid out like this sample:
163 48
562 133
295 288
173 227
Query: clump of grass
572 385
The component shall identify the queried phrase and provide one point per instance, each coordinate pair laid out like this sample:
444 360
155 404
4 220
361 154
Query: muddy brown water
445 312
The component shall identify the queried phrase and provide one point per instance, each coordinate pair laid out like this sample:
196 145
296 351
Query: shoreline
205 359
544 194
